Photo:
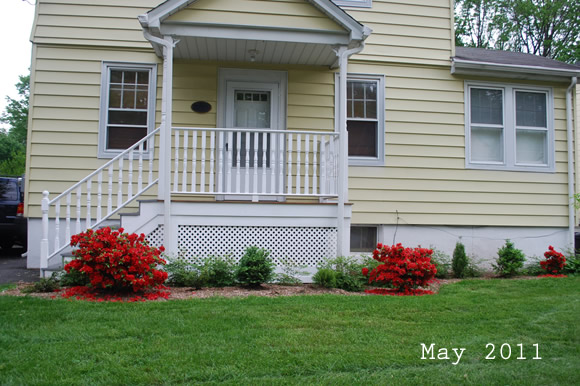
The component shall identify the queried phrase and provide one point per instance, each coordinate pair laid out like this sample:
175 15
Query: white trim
509 128
354 3
106 66
380 79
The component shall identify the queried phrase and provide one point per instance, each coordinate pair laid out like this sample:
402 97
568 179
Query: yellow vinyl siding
424 177
298 14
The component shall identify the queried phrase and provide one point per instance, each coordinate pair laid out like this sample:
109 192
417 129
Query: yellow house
313 128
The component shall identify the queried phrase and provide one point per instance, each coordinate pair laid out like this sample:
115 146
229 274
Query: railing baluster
247 164
306 163
333 165
176 153
120 183
220 167
78 223
314 164
194 163
140 174
57 225
110 190
298 156
323 176
130 177
289 171
67 231
265 137
229 161
100 196
202 175
273 142
151 148
256 152
238 161
211 187
281 141
184 171
89 189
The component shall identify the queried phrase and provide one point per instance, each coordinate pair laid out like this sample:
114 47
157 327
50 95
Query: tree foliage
549 28
13 140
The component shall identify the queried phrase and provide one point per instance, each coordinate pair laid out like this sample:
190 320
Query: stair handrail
45 255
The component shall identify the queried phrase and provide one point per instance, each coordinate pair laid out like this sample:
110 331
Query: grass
298 340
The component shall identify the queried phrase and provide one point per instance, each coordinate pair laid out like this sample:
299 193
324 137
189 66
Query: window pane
486 144
116 76
532 147
531 109
115 97
137 118
143 77
371 111
362 138
8 190
486 106
363 239
123 137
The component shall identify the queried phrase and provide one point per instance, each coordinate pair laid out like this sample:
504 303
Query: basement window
363 238
354 3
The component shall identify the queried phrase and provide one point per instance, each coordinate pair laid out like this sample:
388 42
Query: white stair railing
78 199
255 162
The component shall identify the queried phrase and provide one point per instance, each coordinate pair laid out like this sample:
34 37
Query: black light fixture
201 107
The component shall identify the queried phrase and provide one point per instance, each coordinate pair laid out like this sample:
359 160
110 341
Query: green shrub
290 272
218 271
255 267
183 274
43 285
572 266
510 260
532 267
348 271
460 260
72 278
442 262
325 277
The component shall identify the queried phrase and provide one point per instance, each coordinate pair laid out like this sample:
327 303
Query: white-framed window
363 238
365 119
127 105
354 3
509 127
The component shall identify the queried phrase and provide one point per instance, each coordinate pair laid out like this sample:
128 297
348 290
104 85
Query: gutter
570 139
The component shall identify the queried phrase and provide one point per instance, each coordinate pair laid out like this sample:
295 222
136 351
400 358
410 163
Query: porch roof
265 41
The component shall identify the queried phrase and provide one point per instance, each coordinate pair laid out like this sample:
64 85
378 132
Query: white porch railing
255 162
123 178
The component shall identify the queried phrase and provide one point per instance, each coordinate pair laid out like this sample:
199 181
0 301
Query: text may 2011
454 354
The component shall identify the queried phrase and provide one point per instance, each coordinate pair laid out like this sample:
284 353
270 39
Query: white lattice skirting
306 246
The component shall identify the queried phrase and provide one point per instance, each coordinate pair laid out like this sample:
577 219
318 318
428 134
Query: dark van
12 221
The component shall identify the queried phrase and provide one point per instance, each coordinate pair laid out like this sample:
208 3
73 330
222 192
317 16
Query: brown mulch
268 290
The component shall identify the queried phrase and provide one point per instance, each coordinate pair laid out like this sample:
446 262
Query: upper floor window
509 127
354 3
365 123
127 105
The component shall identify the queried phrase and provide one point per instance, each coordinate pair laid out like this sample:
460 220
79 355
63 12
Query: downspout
164 186
343 244
570 140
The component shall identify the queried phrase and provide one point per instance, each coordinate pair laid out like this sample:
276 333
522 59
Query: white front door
250 105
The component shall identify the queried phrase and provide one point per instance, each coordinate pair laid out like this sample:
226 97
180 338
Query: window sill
503 168
361 161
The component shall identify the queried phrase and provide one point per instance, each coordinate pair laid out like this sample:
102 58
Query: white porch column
343 239
169 239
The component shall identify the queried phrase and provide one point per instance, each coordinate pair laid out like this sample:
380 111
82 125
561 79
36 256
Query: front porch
248 178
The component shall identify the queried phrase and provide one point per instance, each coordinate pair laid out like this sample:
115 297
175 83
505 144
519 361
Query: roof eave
469 67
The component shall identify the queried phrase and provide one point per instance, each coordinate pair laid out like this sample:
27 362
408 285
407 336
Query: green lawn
300 340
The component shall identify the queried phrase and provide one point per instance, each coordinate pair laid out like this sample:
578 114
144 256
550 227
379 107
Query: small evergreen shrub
183 274
348 271
325 277
460 261
218 271
442 262
255 267
510 260
43 285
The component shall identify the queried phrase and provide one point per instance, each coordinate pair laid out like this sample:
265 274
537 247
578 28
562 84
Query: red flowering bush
117 261
404 269
555 261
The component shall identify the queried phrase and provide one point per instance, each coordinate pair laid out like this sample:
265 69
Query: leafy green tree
13 141
549 28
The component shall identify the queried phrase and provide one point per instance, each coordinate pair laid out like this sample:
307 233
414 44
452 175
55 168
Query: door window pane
486 106
531 109
532 147
486 144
